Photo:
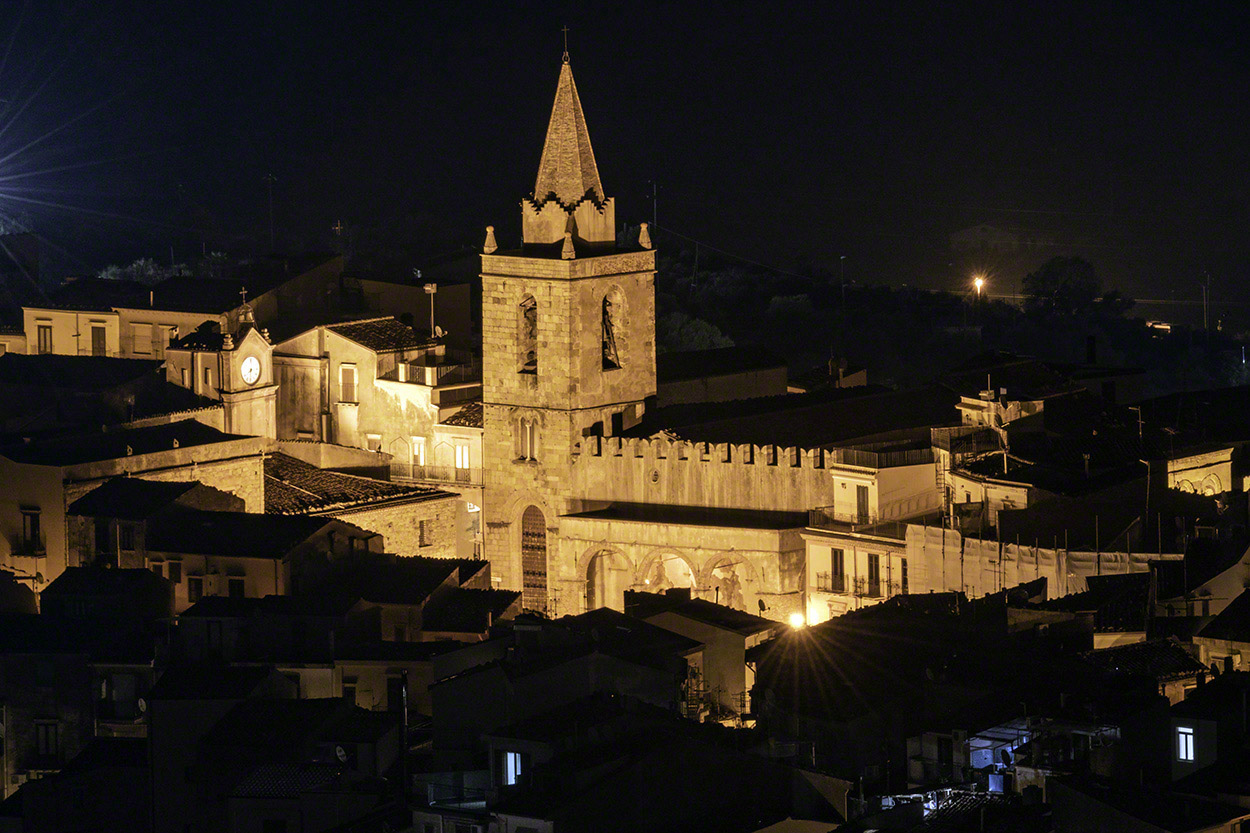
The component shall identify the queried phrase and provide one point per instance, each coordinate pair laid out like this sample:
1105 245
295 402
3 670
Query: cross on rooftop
338 228
565 30
243 292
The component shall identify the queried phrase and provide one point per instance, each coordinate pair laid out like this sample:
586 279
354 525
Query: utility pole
270 179
654 200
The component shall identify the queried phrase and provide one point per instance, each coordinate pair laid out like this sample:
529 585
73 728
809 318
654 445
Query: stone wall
400 525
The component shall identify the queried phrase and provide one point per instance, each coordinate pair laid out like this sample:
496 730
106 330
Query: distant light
797 620
979 283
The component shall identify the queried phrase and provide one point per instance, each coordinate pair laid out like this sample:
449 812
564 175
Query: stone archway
664 570
534 560
607 576
730 579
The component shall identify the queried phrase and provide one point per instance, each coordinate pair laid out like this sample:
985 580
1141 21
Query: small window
48 740
208 377
462 456
158 568
347 383
1184 743
512 768
126 537
142 335
195 588
236 587
175 572
32 531
99 340
182 376
527 439
418 451
903 576
349 689
423 533
45 338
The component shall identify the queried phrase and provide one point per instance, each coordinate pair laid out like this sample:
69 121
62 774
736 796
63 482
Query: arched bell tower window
527 335
611 354
527 439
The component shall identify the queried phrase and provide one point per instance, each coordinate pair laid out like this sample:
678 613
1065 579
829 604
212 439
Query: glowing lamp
797 620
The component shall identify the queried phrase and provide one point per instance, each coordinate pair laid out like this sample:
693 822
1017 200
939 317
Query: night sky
790 134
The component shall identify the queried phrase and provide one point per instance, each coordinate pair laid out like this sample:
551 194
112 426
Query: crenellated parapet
662 447
547 219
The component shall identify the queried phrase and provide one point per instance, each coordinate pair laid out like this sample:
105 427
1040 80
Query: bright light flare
979 283
797 620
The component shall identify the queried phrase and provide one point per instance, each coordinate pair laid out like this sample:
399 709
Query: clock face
250 370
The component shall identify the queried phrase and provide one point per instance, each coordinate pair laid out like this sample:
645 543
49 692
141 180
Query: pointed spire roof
567 168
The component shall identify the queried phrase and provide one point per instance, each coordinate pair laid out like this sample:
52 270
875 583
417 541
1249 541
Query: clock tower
247 388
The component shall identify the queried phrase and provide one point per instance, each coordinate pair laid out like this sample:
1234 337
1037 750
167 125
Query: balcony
30 547
436 474
831 582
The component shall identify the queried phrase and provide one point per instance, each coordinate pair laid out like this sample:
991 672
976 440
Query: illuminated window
511 768
418 451
462 456
347 383
1184 743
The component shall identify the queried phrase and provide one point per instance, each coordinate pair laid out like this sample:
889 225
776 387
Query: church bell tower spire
568 195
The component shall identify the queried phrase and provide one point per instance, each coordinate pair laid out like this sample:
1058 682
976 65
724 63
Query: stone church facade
575 510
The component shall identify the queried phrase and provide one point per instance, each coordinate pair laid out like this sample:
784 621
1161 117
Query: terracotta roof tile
470 416
293 487
381 334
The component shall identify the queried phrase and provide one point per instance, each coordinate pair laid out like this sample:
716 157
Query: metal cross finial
243 292
565 30
338 228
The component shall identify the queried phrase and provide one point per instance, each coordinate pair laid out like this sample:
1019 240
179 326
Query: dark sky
787 133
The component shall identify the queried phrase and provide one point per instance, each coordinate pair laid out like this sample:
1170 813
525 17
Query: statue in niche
730 588
659 579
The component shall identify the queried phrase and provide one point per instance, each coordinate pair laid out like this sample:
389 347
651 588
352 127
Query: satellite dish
340 753
143 706
439 332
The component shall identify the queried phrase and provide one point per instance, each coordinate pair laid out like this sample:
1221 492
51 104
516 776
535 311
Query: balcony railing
831 582
437 474
871 459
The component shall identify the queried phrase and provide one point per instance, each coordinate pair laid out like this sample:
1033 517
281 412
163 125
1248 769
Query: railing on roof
826 517
436 474
870 459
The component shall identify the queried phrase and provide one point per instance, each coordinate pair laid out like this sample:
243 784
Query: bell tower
568 344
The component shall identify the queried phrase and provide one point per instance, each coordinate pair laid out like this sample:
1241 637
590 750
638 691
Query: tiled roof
470 416
113 445
287 780
203 339
1162 659
80 373
293 487
567 168
407 581
468 610
1233 623
646 605
209 683
237 534
381 334
129 498
101 581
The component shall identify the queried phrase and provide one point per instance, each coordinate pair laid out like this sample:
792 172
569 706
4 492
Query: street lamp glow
797 620
979 283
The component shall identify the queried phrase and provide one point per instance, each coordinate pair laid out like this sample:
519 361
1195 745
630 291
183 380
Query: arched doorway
401 463
607 579
534 560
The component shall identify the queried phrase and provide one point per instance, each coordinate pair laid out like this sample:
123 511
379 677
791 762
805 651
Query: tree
1062 286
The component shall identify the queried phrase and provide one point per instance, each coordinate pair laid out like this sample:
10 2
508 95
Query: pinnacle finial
568 252
565 30
490 245
644 235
